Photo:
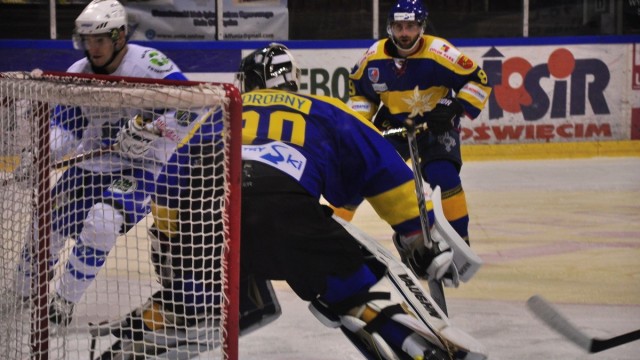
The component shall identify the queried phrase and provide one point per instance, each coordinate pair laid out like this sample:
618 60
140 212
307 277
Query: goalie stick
456 342
435 286
554 319
466 260
70 161
84 156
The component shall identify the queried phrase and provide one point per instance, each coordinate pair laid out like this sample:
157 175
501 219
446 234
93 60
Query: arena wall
553 97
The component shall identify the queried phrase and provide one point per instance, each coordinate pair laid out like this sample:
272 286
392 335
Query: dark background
351 19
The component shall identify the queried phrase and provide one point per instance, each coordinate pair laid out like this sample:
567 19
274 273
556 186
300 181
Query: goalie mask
407 14
271 67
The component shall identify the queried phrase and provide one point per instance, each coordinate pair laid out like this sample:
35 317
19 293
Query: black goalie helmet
271 67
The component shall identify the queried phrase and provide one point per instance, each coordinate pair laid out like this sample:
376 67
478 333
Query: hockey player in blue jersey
411 74
298 148
102 203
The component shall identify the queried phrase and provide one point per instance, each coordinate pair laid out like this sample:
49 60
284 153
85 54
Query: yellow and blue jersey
331 151
189 165
432 72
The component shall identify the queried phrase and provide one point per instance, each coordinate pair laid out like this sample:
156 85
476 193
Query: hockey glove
435 263
135 138
441 118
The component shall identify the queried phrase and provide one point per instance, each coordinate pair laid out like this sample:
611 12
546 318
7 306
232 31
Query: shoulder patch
465 62
157 60
444 50
374 74
371 51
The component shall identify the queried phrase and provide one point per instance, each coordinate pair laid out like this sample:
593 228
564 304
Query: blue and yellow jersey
432 72
188 166
331 151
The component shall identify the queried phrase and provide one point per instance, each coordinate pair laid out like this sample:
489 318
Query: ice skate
60 310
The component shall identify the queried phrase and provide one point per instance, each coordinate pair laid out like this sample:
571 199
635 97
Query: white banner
555 93
542 93
166 20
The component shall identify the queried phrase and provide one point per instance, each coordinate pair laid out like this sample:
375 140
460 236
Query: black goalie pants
288 235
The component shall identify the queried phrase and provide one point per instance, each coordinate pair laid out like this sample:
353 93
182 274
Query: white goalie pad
419 302
467 262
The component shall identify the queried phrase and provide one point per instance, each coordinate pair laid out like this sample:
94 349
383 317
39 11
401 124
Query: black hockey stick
554 319
435 286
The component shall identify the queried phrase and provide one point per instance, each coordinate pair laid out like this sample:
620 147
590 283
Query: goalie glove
434 263
441 118
136 136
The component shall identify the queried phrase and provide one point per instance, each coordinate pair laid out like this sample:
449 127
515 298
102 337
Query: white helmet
100 17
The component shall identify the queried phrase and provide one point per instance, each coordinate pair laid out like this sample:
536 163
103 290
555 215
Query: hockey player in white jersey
102 32
101 198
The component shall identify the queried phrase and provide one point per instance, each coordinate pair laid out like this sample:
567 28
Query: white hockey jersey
78 130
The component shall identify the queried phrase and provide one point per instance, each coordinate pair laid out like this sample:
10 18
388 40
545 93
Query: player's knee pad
102 226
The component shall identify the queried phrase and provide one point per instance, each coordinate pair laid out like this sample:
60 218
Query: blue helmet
408 10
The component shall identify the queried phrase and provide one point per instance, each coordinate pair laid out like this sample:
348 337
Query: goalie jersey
331 151
428 75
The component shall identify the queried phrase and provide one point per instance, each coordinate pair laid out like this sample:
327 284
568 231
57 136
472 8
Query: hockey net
128 279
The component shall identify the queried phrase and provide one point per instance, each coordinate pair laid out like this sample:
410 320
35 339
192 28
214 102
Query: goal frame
231 258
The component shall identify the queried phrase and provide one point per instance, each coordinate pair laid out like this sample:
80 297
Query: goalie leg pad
379 333
165 334
259 305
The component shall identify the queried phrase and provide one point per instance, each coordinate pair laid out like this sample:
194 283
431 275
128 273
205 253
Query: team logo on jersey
158 62
418 102
374 74
184 118
465 62
123 185
448 141
158 59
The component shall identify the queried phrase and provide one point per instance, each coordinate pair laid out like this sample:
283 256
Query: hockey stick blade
554 319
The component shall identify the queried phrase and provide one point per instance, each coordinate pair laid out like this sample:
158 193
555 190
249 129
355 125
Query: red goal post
27 101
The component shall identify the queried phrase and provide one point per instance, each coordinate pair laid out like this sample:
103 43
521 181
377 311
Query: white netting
187 117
